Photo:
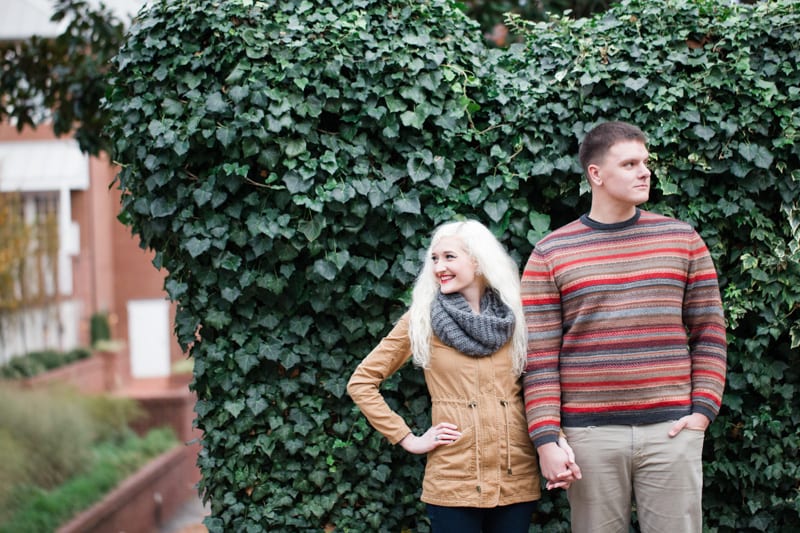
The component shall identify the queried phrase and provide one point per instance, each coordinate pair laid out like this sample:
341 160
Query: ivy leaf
234 407
196 246
414 119
300 325
295 147
215 103
203 407
318 477
496 210
217 319
381 473
302 423
407 204
295 183
635 84
418 169
311 229
377 267
201 196
337 387
758 155
704 132
417 39
326 269
175 289
231 294
294 445
394 104
328 162
540 222
226 135
247 362
162 207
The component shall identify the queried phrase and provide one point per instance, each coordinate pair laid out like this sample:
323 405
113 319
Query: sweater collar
609 227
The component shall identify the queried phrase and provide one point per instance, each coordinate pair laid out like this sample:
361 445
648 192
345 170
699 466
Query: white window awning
23 18
43 166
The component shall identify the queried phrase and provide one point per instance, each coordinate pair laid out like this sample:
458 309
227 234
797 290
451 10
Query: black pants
515 518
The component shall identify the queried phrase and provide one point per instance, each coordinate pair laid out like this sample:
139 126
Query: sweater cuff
704 410
547 438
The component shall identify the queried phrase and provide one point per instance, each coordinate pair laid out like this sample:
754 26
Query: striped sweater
625 326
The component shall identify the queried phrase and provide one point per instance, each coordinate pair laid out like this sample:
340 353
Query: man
626 350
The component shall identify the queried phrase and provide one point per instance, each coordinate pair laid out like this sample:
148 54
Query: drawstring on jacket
504 403
474 406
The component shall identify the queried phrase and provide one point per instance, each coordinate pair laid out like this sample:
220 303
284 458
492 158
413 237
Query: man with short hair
626 349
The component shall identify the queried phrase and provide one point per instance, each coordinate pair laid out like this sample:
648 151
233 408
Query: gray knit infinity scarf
473 334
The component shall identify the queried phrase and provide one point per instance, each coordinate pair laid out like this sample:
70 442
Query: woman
466 329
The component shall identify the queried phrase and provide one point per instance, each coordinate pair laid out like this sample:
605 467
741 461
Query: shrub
49 434
37 362
39 510
99 328
286 161
717 89
288 146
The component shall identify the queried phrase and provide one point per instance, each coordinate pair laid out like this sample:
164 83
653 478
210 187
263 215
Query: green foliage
99 328
33 363
62 80
39 510
46 436
265 163
717 88
287 160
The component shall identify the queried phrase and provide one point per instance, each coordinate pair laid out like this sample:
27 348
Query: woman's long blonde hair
498 269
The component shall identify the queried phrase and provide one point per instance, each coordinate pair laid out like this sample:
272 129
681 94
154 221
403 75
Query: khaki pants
622 464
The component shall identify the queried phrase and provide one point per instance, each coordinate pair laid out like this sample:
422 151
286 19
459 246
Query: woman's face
454 268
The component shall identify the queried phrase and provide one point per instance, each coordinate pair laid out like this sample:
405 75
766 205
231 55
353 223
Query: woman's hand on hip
438 435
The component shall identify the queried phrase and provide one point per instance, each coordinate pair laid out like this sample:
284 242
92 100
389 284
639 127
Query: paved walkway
188 519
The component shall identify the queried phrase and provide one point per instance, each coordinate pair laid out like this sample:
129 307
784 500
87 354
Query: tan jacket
493 462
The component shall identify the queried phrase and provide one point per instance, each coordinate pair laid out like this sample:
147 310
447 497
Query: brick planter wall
147 499
93 375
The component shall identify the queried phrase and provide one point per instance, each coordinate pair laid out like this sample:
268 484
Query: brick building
99 266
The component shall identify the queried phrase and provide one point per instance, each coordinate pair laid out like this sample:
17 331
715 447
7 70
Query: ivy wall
287 160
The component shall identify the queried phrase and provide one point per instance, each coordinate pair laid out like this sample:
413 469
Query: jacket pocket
456 460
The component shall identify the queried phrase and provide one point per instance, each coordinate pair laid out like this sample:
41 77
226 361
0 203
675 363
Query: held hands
694 421
558 465
442 433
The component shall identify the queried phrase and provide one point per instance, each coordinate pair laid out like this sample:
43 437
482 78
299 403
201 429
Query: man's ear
593 171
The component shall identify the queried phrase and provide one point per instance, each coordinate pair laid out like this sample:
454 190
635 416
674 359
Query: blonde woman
466 330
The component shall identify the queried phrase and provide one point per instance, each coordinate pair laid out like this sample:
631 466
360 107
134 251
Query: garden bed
145 500
149 497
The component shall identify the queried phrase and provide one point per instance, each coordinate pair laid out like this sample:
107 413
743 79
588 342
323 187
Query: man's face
623 176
